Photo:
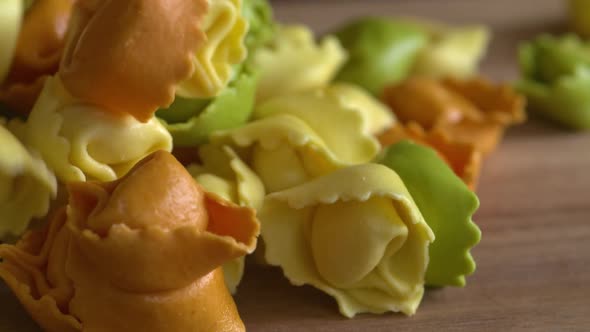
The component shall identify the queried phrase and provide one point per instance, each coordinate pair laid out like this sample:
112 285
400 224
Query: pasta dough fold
145 49
82 142
225 29
117 257
297 137
294 62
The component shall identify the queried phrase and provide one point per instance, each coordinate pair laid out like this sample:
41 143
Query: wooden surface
534 259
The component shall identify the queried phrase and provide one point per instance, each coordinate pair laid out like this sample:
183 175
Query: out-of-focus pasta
41 40
294 53
26 185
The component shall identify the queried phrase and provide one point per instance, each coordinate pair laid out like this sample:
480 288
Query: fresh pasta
294 53
290 142
117 260
222 172
225 29
80 141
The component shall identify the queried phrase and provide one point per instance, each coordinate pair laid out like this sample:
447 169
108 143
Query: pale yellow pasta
214 62
452 51
81 142
356 234
222 172
377 116
298 137
26 185
10 21
295 62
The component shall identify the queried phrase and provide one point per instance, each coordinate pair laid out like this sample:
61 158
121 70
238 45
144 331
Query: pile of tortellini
354 155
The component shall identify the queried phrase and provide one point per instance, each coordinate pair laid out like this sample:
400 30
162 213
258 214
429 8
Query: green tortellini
81 142
556 79
225 28
11 12
222 172
294 62
381 51
355 234
26 185
451 51
191 121
447 205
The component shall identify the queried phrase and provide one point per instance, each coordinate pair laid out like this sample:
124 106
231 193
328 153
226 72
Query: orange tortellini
472 111
129 56
116 258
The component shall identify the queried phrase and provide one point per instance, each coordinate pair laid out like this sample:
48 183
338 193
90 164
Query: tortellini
294 62
116 259
355 234
11 13
129 56
472 111
556 79
447 206
26 185
298 137
222 172
225 28
451 51
82 142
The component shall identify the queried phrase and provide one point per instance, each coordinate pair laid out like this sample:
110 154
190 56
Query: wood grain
534 259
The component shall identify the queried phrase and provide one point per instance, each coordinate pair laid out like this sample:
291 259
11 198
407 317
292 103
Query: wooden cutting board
534 259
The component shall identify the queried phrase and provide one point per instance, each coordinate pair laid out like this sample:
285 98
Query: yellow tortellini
26 185
222 172
355 234
10 21
294 62
80 142
214 62
378 117
298 137
452 51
